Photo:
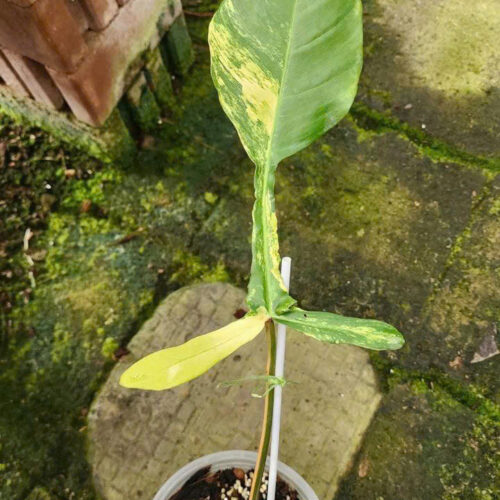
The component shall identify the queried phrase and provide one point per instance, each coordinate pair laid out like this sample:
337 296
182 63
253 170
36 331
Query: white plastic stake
286 265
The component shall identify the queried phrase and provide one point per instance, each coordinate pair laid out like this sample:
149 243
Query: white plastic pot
227 460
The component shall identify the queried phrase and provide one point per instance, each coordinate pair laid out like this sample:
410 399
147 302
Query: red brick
23 3
99 12
44 31
79 14
36 79
114 58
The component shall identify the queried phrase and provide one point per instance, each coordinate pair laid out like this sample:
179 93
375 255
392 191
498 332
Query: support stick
286 265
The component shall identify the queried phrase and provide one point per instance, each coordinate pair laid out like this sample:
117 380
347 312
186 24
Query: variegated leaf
286 72
335 329
173 366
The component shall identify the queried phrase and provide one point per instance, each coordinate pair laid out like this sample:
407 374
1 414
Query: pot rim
228 459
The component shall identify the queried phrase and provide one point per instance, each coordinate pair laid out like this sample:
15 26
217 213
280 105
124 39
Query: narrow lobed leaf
336 329
173 366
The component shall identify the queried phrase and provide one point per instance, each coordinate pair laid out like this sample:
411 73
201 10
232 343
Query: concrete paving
139 438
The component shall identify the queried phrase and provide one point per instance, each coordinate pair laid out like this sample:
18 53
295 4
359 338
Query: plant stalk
266 288
268 415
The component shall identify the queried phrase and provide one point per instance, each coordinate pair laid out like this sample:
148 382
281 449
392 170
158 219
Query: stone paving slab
406 453
436 64
139 438
464 313
382 217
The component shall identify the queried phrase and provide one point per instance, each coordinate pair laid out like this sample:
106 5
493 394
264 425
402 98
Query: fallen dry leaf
364 465
487 349
456 364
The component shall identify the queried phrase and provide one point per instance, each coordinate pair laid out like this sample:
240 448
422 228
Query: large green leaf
336 329
286 72
173 366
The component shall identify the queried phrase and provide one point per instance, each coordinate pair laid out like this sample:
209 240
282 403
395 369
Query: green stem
268 415
266 287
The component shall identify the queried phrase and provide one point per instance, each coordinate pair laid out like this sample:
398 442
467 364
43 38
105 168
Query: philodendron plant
286 72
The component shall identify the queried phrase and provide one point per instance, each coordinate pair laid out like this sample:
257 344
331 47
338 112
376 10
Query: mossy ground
405 456
381 221
411 69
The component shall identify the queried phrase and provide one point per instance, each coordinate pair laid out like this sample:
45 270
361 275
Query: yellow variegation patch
173 366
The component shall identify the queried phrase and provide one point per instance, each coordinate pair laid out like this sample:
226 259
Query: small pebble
239 473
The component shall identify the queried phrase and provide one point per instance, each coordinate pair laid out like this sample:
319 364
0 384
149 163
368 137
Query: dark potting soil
228 484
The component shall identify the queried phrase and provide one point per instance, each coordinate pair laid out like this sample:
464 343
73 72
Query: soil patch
229 484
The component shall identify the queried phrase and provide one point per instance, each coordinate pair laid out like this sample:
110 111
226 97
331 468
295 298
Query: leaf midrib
268 166
208 349
283 79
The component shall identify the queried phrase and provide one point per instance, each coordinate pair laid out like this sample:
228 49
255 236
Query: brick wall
80 54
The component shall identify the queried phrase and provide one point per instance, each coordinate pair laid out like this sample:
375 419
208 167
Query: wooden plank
46 32
114 58
99 12
36 79
11 78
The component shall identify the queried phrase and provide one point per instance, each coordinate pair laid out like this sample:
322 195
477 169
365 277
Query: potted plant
286 72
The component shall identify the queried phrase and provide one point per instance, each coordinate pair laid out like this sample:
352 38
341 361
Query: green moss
85 306
112 142
210 198
92 189
380 215
468 395
435 149
39 494
478 460
109 346
144 107
411 57
465 297
426 439
191 269
160 82
179 47
495 207
436 50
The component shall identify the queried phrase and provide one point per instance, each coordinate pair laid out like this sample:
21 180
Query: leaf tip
130 379
145 374
395 339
